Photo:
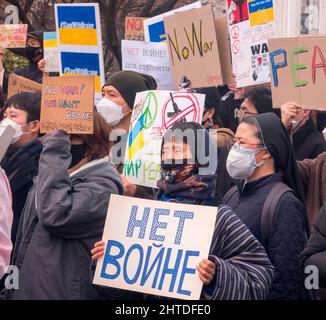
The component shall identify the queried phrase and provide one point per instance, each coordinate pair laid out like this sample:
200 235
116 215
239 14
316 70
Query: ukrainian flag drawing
136 139
77 26
82 64
260 11
50 40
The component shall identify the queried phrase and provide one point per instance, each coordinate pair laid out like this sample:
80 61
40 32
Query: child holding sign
241 270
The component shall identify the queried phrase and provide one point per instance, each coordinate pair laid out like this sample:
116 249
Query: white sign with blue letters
154 247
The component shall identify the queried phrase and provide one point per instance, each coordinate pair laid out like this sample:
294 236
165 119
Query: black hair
261 98
27 101
2 103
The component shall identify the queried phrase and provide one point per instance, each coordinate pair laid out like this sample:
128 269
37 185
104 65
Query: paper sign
148 58
13 35
18 84
153 114
251 23
193 48
134 28
51 54
67 104
151 247
260 12
78 27
298 69
5 140
154 27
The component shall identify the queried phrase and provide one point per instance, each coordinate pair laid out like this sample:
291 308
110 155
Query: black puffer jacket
315 251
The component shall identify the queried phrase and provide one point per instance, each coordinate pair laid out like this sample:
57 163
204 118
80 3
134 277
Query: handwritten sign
18 84
153 114
51 54
298 69
67 104
13 35
194 48
151 248
148 58
154 27
134 28
5 140
78 27
251 23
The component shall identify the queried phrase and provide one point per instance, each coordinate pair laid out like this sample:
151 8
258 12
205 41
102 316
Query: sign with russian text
151 248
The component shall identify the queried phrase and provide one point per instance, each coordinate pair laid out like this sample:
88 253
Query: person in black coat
263 157
33 52
20 162
308 142
315 252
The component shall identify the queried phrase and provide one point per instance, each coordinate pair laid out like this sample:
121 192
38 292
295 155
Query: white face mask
18 129
110 111
241 162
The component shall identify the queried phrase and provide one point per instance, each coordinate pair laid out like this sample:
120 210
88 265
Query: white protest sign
251 23
51 53
154 30
151 247
148 58
153 114
5 140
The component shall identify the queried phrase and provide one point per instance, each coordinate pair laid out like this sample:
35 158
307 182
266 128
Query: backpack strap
269 208
232 197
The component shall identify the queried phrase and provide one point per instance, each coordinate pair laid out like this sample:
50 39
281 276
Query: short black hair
27 101
2 103
261 98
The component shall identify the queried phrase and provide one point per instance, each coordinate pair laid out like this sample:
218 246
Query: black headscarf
277 142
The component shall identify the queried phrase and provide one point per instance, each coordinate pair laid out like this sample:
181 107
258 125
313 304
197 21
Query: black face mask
78 152
33 54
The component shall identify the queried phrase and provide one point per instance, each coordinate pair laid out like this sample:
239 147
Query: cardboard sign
51 54
78 27
251 23
18 84
151 248
148 58
153 114
194 48
67 104
13 35
5 140
134 28
298 69
154 27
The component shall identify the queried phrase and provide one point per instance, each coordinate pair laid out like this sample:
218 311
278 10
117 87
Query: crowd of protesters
266 176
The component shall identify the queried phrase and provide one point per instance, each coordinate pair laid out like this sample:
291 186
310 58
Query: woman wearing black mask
240 271
64 215
270 199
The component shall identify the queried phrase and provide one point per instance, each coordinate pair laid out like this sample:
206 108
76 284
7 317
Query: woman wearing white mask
119 93
270 201
20 162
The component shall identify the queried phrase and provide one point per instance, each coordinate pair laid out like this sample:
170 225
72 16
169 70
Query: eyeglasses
239 113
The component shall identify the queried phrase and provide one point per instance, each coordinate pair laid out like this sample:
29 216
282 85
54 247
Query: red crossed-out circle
190 109
235 32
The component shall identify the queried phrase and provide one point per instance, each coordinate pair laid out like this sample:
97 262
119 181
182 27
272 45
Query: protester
22 111
257 100
313 179
64 215
119 93
263 159
307 141
211 119
5 223
236 269
315 252
34 53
